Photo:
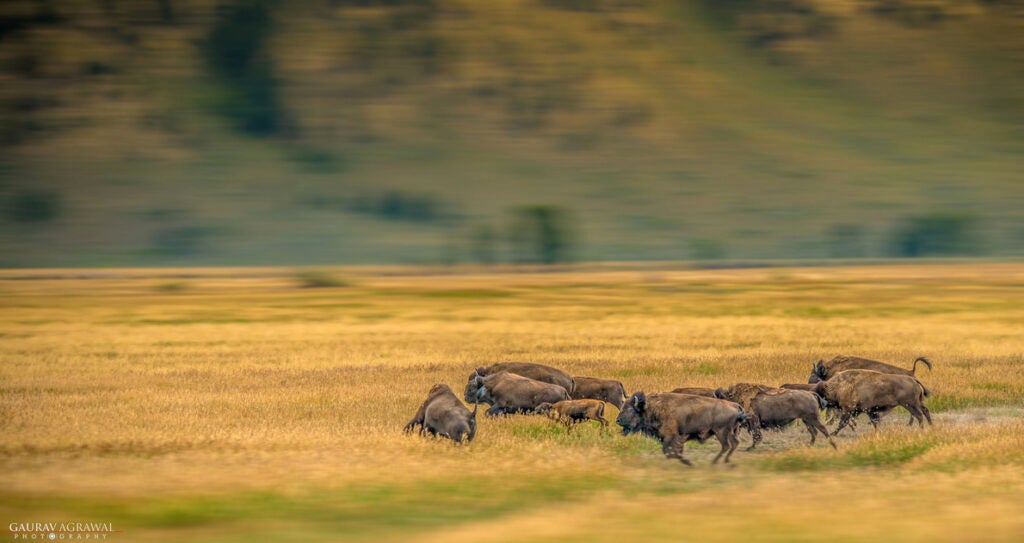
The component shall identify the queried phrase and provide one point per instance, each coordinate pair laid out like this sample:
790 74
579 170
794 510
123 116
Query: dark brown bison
537 372
696 391
675 419
875 393
570 412
770 408
443 414
606 390
510 393
823 371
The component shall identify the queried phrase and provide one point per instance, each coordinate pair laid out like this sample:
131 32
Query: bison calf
571 412
443 414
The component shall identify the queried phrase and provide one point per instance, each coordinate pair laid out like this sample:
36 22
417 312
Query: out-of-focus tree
483 244
34 206
939 233
236 50
541 233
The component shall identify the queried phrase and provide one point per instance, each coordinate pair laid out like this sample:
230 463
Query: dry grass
239 403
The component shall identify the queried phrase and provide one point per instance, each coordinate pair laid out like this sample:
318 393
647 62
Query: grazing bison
771 408
570 412
537 372
605 390
510 393
875 393
677 418
696 391
443 414
823 371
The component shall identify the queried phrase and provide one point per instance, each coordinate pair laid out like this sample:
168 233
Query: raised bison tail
921 359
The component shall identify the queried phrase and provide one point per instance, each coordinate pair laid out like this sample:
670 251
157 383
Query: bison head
476 391
631 417
818 373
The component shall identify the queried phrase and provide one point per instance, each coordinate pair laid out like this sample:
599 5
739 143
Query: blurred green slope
404 130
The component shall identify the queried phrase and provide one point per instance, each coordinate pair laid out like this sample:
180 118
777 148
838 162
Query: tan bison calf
571 412
606 390
867 391
675 419
443 414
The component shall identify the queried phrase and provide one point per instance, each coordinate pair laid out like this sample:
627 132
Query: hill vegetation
424 131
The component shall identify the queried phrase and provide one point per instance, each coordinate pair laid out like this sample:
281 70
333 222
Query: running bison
823 371
771 408
508 393
605 390
675 419
571 412
875 393
537 372
443 414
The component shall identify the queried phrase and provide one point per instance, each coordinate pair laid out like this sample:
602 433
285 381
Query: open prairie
244 405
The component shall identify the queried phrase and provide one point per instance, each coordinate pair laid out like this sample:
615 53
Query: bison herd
844 387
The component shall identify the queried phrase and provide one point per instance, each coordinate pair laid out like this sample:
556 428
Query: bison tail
622 390
921 359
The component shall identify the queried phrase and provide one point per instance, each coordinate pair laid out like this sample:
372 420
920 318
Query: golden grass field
234 405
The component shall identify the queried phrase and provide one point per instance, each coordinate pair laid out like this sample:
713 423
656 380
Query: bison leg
843 421
927 414
814 425
729 443
754 427
734 442
604 423
875 417
673 448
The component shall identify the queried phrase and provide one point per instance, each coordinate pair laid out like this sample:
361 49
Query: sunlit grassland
239 406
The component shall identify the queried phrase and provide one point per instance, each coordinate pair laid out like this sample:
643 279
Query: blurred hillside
183 132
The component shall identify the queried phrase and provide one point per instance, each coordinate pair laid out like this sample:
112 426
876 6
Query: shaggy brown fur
677 418
874 393
823 371
772 408
537 372
510 393
571 412
606 390
443 414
